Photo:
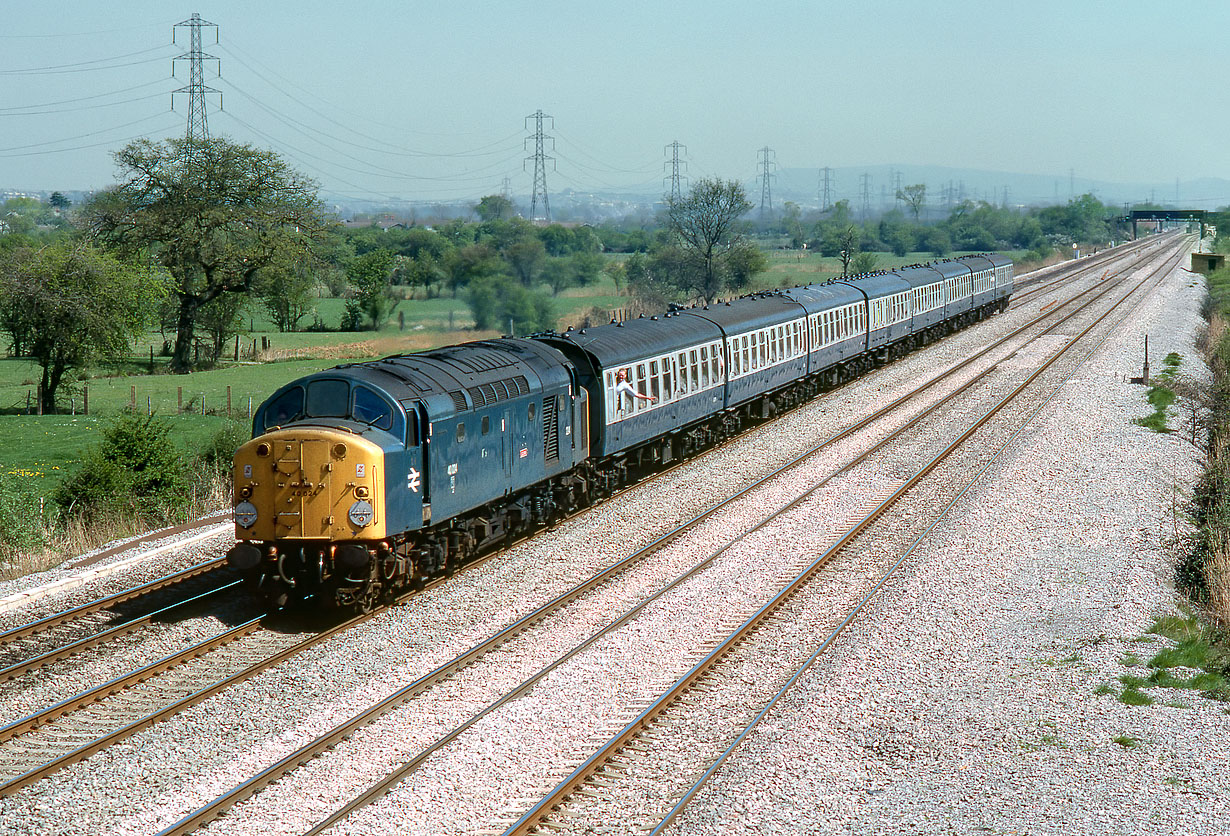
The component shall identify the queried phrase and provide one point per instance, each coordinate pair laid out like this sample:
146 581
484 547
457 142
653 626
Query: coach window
667 378
641 383
704 366
681 372
747 355
655 382
715 362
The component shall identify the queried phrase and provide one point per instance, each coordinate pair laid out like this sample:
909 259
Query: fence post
85 399
179 406
39 395
132 398
236 348
228 400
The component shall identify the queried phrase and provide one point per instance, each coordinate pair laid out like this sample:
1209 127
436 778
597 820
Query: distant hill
802 186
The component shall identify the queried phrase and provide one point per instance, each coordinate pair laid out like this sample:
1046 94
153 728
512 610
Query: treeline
970 226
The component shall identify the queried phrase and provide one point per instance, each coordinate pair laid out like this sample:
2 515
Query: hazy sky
424 100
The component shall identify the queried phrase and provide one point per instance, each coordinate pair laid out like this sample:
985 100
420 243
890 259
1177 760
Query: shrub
23 523
136 465
220 450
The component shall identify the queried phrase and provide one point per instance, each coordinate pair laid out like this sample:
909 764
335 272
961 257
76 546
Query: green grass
1197 660
1127 741
1160 396
40 451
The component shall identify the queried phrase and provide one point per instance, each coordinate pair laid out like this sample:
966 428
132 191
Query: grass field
43 448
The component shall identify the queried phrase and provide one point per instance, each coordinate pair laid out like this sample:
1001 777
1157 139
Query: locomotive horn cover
303 481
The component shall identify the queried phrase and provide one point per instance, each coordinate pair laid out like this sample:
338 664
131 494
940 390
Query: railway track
304 754
630 755
131 725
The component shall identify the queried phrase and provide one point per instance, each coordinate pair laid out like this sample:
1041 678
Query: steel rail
73 648
192 699
539 814
310 750
43 624
687 797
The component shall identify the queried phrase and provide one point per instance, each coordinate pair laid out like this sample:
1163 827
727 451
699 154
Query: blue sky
428 101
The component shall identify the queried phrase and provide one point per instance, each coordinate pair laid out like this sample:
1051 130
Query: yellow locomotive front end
309 510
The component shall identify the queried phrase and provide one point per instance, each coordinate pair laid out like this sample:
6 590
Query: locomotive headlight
361 513
245 514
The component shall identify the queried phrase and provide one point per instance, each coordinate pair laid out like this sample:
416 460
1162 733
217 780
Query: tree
915 197
59 201
558 274
213 213
792 223
847 242
220 319
497 300
494 207
586 267
526 258
285 289
863 262
704 227
370 275
69 304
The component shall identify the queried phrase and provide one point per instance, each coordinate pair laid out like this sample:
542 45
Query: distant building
1206 263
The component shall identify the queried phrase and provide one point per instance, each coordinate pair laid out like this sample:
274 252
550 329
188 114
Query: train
371 479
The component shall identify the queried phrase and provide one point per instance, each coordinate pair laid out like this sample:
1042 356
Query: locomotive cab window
328 399
287 407
372 409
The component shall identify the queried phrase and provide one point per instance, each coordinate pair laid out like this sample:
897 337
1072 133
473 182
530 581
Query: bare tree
915 197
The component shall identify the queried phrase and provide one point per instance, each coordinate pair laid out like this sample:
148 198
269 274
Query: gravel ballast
966 700
972 679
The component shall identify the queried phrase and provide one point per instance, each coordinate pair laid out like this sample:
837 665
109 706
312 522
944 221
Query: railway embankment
1205 572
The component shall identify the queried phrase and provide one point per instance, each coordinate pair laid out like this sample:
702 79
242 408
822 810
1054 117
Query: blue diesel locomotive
367 480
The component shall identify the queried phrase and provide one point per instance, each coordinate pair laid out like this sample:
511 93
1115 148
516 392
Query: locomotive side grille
521 384
550 429
479 397
459 400
501 390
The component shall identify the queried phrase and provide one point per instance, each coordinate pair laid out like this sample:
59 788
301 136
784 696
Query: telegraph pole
674 162
540 166
198 128
767 162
